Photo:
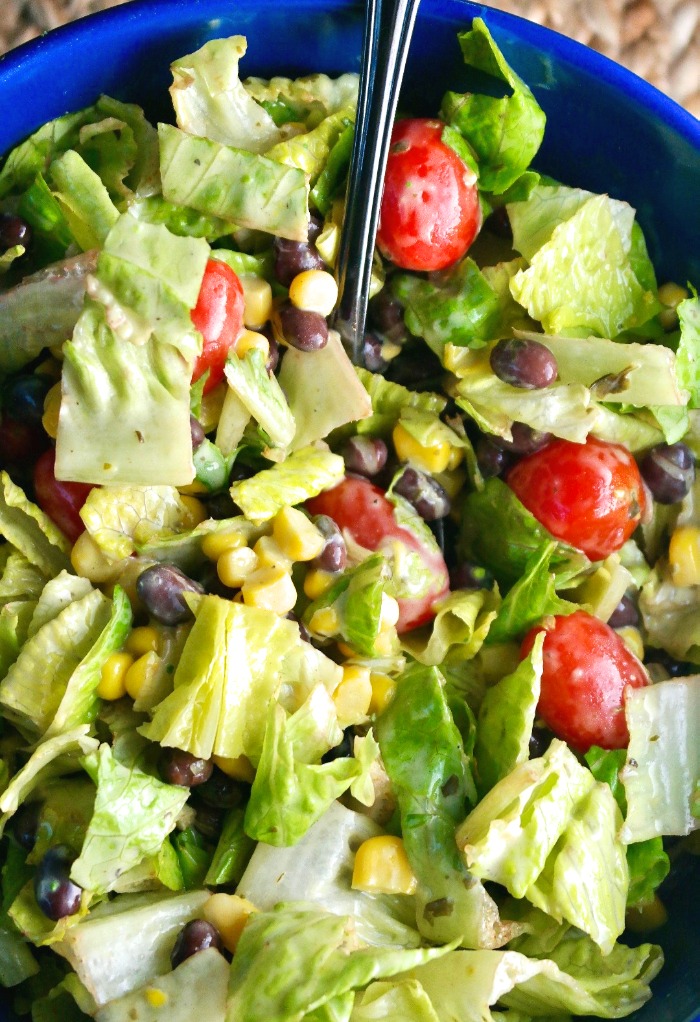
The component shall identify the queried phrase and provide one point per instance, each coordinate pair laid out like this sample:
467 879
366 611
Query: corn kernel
112 682
633 640
383 689
314 291
433 458
296 536
353 695
250 340
270 589
193 489
269 554
156 998
229 913
389 613
325 622
238 767
456 458
57 351
217 543
382 866
646 917
89 561
212 403
684 556
317 582
345 650
195 511
52 407
235 565
671 295
140 674
257 296
143 639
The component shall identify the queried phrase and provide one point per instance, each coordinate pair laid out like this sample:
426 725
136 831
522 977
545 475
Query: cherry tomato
19 441
589 495
586 672
430 211
361 509
60 500
218 315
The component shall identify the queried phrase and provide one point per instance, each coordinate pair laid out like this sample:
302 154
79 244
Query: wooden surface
658 39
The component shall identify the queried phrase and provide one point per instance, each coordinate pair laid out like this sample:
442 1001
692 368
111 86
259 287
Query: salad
333 692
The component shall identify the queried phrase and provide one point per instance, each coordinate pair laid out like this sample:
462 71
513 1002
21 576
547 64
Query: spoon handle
388 30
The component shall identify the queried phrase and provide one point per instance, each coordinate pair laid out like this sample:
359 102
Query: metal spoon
388 30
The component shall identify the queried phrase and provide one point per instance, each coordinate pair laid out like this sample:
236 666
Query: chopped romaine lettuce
303 474
31 531
532 598
262 396
460 626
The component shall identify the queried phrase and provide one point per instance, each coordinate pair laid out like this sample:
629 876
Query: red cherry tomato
361 509
430 211
60 500
218 315
586 671
589 495
19 441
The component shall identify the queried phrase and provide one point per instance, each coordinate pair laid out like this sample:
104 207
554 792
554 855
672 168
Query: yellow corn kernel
139 674
196 511
317 582
382 866
193 489
212 403
296 536
49 367
646 917
235 565
314 291
257 296
353 695
270 589
250 340
57 351
670 295
633 640
112 682
143 639
217 543
389 613
684 556
156 997
238 767
89 561
383 689
345 650
270 555
52 406
433 458
456 458
228 913
325 621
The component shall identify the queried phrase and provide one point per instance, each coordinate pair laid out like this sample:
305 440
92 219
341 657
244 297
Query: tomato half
60 500
586 672
430 211
361 510
218 315
589 495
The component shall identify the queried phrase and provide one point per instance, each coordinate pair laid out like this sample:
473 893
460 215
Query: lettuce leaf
262 395
688 351
402 1000
532 597
20 579
460 626
308 99
303 474
31 531
124 519
84 200
56 595
356 597
670 616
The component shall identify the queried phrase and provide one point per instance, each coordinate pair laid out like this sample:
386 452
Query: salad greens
373 818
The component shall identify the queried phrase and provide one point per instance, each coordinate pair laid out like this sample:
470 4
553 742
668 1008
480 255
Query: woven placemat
658 39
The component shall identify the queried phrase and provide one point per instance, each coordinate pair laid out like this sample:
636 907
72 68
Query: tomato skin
430 211
586 672
60 500
218 315
589 495
361 509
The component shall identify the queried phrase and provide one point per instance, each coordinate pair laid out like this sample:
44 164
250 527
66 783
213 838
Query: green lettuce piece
308 99
390 400
332 177
44 214
262 395
670 616
134 813
270 975
672 420
549 204
124 519
462 305
582 278
500 533
460 626
505 720
20 579
292 789
193 857
303 474
548 833
425 759
34 155
238 186
127 370
65 810
15 618
17 962
180 220
55 597
688 351
247 264
232 853
402 1000
36 684
356 598
31 531
532 598
233 664
84 200
211 102
504 132
310 150
663 759
122 147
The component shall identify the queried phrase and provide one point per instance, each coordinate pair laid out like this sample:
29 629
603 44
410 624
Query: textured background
658 39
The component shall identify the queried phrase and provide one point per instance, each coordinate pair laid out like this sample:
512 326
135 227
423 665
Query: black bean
673 668
23 396
498 223
524 363
293 257
344 749
492 460
669 472
304 633
372 357
14 231
334 555
386 316
209 821
221 505
25 825
184 769
626 613
196 432
424 493
365 455
56 894
540 740
161 589
470 576
315 227
302 329
220 791
197 935
525 439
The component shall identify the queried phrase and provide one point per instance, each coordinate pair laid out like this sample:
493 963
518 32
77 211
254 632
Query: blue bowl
607 131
